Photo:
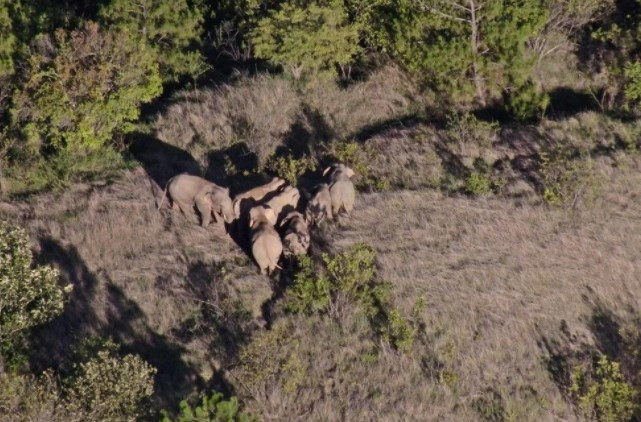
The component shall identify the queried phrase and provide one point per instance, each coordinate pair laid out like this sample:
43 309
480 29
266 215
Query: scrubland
513 277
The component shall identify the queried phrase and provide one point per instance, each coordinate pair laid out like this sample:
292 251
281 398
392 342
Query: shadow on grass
161 160
98 307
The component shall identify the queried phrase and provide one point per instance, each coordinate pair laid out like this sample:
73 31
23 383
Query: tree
311 37
28 296
171 28
460 48
612 50
83 87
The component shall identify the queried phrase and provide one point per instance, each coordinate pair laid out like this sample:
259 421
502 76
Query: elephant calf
284 202
244 201
319 206
266 244
296 237
186 190
341 188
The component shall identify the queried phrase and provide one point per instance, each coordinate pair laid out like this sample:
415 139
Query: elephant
243 202
266 244
319 206
285 201
186 190
296 237
341 188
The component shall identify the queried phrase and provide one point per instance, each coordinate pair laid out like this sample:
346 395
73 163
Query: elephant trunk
228 213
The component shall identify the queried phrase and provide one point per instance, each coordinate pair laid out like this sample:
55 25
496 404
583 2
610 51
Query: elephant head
339 171
219 202
262 214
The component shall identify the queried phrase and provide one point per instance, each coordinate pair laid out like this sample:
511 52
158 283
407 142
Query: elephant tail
164 194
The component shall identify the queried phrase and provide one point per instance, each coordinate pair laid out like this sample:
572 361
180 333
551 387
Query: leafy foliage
28 296
460 49
213 408
568 179
290 168
87 90
171 29
604 394
109 388
350 274
310 37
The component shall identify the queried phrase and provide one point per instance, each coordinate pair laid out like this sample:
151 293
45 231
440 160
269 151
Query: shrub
568 180
311 292
82 88
350 274
213 408
632 72
478 183
290 168
28 296
109 388
307 37
603 393
465 128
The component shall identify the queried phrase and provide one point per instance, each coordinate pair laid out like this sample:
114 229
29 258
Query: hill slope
513 292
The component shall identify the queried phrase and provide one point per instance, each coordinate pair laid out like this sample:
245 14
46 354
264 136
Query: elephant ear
349 172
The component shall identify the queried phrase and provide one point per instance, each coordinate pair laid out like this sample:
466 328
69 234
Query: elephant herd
268 215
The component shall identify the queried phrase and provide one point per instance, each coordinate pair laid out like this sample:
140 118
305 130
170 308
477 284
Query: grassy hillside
515 261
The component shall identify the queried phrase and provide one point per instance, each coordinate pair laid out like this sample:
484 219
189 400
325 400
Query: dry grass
508 288
265 112
256 111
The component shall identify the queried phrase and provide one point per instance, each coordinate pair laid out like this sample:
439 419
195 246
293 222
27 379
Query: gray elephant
186 190
266 244
296 237
341 188
285 201
319 206
243 202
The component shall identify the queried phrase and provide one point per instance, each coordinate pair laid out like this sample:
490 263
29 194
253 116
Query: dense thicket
74 76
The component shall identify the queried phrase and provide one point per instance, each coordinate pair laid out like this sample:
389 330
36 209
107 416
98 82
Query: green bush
478 183
632 72
602 393
84 89
107 387
568 179
350 274
465 128
309 37
28 296
58 171
311 292
213 408
290 168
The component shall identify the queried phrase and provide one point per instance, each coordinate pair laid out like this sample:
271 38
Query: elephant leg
183 208
174 206
204 207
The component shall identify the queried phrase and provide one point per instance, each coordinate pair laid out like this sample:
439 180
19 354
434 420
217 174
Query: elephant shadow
161 160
